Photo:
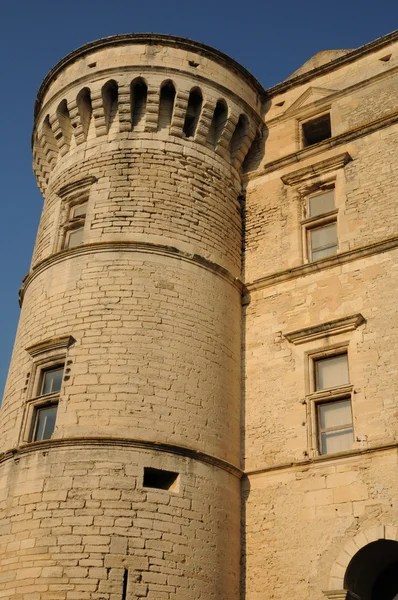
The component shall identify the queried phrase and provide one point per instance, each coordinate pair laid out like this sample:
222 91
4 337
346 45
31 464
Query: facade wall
76 516
307 513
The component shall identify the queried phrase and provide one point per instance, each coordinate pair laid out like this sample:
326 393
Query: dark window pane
45 423
52 380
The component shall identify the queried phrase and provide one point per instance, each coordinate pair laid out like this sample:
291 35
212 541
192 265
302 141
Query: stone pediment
309 98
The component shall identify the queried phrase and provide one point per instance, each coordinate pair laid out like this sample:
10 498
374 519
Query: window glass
52 381
45 423
331 372
335 414
323 241
336 441
321 203
74 238
79 211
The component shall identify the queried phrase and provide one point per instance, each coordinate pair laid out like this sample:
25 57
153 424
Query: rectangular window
335 426
323 241
316 130
333 409
321 225
44 422
322 203
331 372
51 380
74 227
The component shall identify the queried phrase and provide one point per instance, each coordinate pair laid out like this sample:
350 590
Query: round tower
120 424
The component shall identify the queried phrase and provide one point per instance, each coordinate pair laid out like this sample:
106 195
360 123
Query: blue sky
271 39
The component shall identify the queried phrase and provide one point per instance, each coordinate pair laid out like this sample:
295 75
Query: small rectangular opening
160 479
316 130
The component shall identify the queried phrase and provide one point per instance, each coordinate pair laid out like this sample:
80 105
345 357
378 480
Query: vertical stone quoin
120 424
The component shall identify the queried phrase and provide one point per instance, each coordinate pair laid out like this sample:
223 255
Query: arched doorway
372 573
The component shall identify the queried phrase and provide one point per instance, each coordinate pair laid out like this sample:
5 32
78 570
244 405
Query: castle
201 402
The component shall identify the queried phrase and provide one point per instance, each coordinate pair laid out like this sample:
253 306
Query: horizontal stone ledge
127 246
119 442
319 265
322 458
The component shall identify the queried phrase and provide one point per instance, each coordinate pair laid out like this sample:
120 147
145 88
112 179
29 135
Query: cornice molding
322 458
49 345
120 442
319 265
334 327
373 46
324 146
127 246
76 187
322 167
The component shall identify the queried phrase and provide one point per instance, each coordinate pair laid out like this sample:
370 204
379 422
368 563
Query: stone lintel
301 176
307 334
49 345
76 187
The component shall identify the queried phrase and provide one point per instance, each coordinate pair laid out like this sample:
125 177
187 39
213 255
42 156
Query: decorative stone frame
307 181
47 354
72 195
323 331
314 398
336 589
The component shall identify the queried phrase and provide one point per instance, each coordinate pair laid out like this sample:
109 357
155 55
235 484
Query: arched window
139 92
193 112
64 121
50 139
239 135
110 101
166 105
85 109
372 573
218 122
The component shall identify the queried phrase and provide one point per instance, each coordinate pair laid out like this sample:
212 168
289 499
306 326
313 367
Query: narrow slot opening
125 582
193 112
160 479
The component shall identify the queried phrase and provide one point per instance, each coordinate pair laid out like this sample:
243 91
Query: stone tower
124 390
208 339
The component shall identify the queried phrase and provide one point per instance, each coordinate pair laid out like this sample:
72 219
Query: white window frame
309 224
315 398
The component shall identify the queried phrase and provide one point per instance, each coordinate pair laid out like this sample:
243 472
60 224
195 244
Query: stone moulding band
322 458
95 442
325 263
126 246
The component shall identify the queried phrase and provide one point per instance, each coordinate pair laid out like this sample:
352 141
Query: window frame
72 224
314 117
309 224
48 355
37 400
316 398
37 408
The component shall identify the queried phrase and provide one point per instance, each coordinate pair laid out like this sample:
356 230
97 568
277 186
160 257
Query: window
316 130
44 422
321 225
44 414
332 403
51 380
74 227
